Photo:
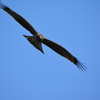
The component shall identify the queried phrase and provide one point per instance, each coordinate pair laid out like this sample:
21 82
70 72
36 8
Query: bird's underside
38 38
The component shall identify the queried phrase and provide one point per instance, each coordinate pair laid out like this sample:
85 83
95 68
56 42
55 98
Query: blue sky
27 74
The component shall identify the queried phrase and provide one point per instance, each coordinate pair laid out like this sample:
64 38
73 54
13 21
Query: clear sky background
27 74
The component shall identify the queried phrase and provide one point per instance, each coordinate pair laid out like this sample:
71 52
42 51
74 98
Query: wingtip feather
81 66
2 6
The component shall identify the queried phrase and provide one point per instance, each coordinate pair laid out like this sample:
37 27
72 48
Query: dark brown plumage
38 38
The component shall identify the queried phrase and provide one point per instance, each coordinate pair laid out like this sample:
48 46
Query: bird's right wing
63 52
19 19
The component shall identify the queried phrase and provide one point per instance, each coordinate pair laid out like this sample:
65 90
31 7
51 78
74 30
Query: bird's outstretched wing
19 19
63 52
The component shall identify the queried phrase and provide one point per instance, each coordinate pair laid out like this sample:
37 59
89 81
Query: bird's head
39 37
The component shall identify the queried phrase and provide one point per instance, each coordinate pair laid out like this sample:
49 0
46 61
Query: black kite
37 39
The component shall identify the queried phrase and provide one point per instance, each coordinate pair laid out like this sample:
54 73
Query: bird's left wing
63 52
19 19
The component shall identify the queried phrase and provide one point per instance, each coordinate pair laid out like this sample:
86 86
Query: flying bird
37 39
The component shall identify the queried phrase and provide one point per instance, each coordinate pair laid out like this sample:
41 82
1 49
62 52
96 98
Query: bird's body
37 39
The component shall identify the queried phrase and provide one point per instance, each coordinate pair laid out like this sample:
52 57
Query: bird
38 39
